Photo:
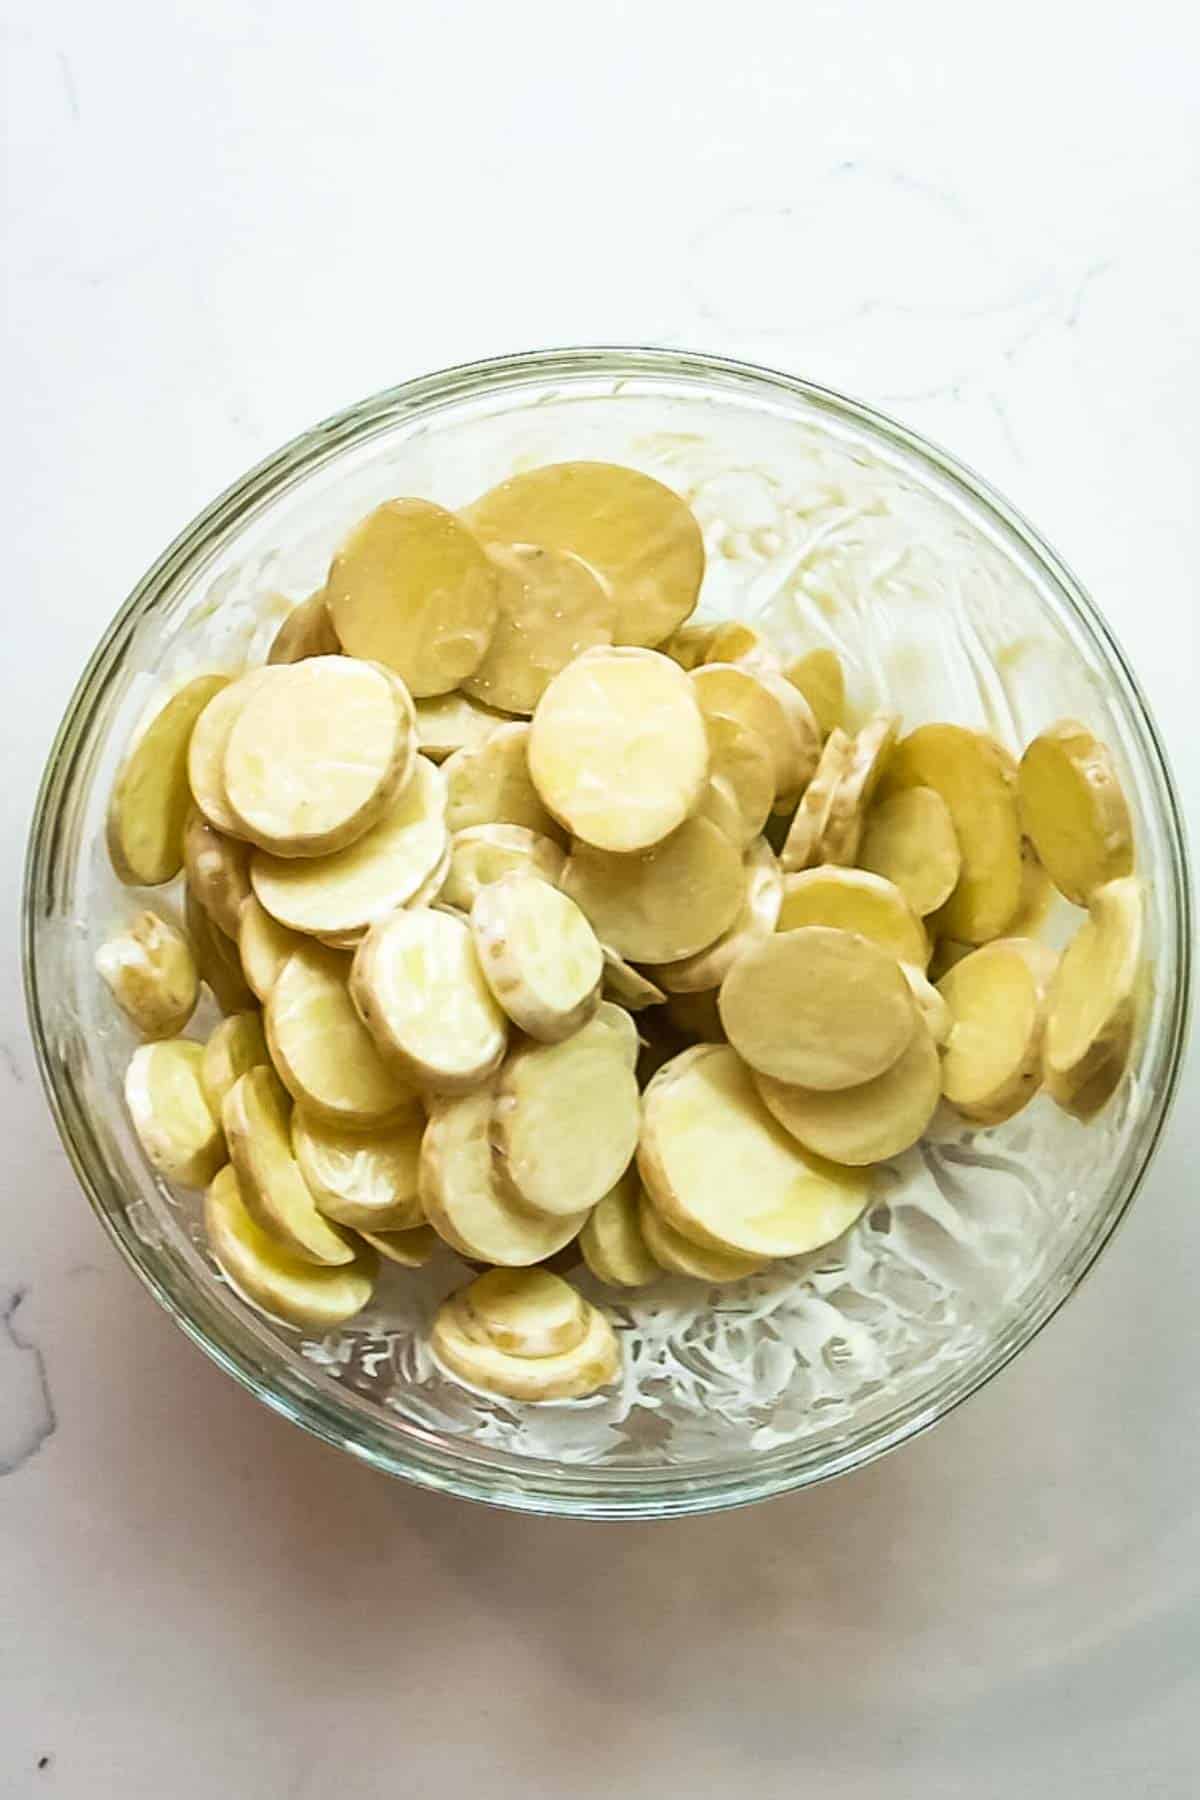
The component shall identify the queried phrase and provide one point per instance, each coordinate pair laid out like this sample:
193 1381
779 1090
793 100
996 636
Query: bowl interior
826 526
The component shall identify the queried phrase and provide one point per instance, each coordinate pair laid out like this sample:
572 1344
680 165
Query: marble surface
222 221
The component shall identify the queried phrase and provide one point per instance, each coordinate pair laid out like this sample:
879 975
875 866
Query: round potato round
539 955
854 900
418 987
151 797
1074 810
152 975
324 1055
996 998
666 903
866 1124
552 609
367 1180
171 1117
1092 1001
909 839
263 1272
464 1202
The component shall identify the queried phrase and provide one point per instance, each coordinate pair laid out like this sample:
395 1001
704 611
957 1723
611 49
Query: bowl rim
515 1483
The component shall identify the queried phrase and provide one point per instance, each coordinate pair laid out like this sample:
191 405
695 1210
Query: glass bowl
827 524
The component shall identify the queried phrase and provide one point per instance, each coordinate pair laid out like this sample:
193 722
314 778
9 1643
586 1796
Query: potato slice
976 777
618 750
930 1005
174 1126
264 945
623 1035
866 1124
741 780
150 796
611 1241
539 955
462 1199
364 1179
765 703
483 853
263 1272
627 985
217 959
206 751
318 754
666 903
565 1123
806 834
419 989
854 900
946 953
528 1312
1037 895
256 1117
307 631
909 839
217 870
697 1016
450 722
668 1249
638 537
491 785
689 645
344 893
411 588
321 1049
757 919
818 1007
1074 810
429 892
1092 1001
870 750
552 609
411 1249
152 974
236 1045
725 1175
735 642
464 1345
821 679
997 1002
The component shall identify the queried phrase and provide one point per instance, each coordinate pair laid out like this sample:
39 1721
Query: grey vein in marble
27 1415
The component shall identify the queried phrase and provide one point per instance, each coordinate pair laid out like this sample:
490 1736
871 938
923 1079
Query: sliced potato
735 642
450 722
552 609
165 1097
821 679
627 985
1037 895
976 777
427 894
206 751
806 834
318 754
256 1116
1092 1001
818 1007
622 1033
638 537
765 703
529 1312
260 1269
217 870
237 1044
411 588
344 893
757 919
150 796
419 989
491 785
1074 810
217 959
870 750
725 1175
930 1005
909 839
307 631
411 1249
539 955
325 1057
741 779
997 1001
617 748
464 1344
947 952
666 903
462 1199
364 1179
866 1124
854 900
668 1249
697 1016
152 974
689 645
611 1241
264 945
483 853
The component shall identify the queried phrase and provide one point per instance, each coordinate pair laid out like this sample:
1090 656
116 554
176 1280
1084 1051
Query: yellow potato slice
909 839
324 1055
868 756
235 1046
1074 810
150 796
528 1312
206 751
552 609
821 679
741 780
617 748
264 945
491 785
611 1241
1037 895
255 1114
866 1124
627 985
666 903
565 1122
318 754
735 642
429 891
483 853
689 645
670 1250
217 869
1092 1001
638 537
463 1344
364 1179
946 953
854 900
697 1016
419 989
806 834
174 1126
264 1273
757 919
976 777
818 1007
411 1249
765 703
622 1033
539 955
307 631
720 1170
412 588
930 1004
463 1200
344 893
450 722
152 975
997 1001
217 959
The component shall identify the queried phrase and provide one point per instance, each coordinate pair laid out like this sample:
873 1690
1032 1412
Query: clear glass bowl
827 524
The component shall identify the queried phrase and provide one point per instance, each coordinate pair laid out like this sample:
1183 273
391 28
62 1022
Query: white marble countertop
226 220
